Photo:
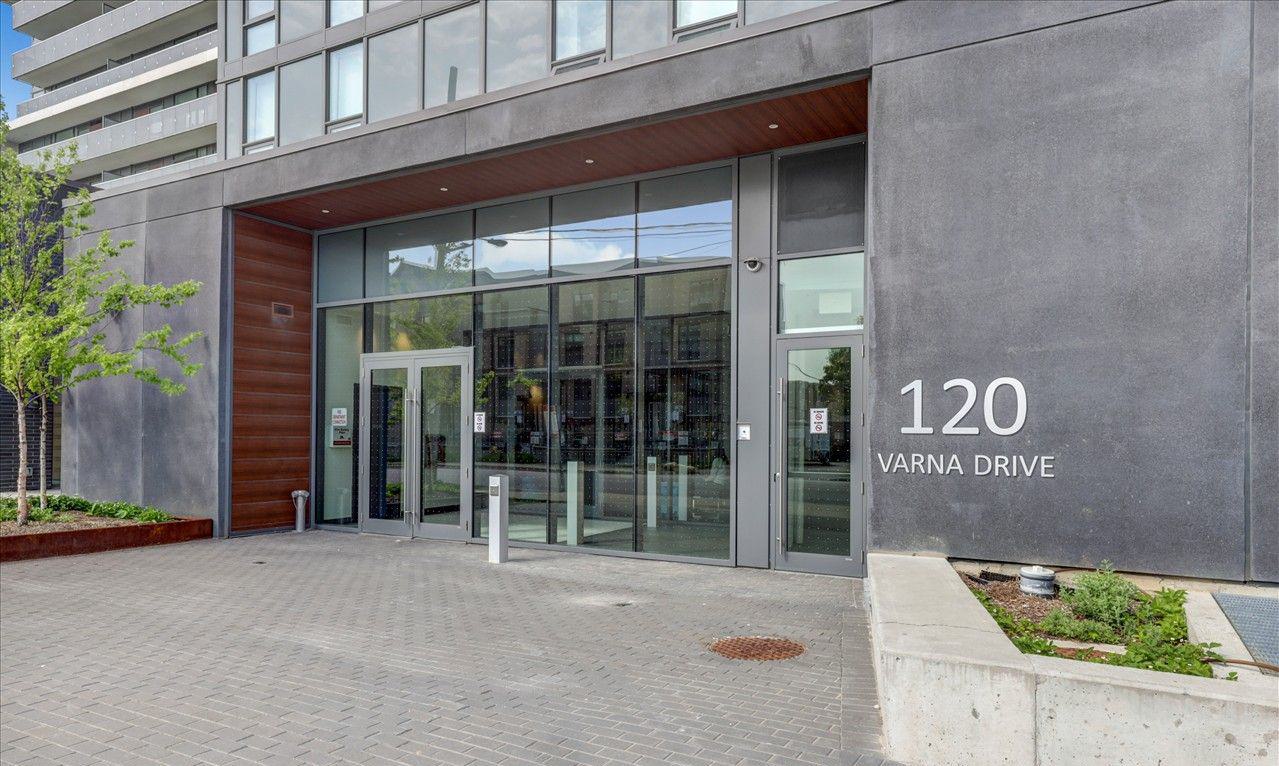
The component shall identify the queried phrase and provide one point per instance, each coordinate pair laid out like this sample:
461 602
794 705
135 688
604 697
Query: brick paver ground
330 648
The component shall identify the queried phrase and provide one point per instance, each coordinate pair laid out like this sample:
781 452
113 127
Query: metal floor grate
1256 620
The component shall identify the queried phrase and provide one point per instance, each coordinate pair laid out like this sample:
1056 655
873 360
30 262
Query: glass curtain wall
341 342
593 463
511 329
687 387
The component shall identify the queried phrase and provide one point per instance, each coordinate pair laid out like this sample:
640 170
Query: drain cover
757 648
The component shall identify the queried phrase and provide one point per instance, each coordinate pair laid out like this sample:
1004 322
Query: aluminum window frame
328 14
248 21
338 124
261 144
579 60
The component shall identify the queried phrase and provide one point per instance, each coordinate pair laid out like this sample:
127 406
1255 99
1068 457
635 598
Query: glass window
821 294
339 266
593 230
259 108
687 387
255 8
819 466
579 27
395 71
302 100
341 341
638 26
689 12
419 255
453 55
299 18
341 11
346 82
516 42
687 217
421 324
259 37
511 389
234 118
377 5
759 10
593 461
511 241
821 199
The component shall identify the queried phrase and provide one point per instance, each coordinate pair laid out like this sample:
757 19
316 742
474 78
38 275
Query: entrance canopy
741 129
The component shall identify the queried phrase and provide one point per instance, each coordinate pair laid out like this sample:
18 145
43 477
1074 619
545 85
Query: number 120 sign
916 388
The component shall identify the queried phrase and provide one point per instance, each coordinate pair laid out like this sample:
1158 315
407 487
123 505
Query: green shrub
1167 610
1105 597
1059 623
1153 651
1032 644
9 511
60 504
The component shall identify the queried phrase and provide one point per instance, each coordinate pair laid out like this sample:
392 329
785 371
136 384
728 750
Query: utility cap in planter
1038 581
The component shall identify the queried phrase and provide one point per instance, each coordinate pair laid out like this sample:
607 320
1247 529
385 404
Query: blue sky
10 42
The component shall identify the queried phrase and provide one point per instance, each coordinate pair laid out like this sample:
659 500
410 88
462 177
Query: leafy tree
56 323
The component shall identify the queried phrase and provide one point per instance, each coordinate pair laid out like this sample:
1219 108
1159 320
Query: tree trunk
44 431
24 509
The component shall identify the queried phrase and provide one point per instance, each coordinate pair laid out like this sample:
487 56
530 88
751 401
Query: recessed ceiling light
324 210
772 126
444 188
590 162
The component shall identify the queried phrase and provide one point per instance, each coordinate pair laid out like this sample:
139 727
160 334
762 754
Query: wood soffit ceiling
801 118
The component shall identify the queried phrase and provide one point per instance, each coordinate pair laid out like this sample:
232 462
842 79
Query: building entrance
818 478
415 429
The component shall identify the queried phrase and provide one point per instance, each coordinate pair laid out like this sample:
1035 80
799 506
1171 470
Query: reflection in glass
821 199
689 12
684 479
419 255
259 107
512 241
760 10
259 37
453 55
593 502
341 11
579 27
395 69
339 266
301 100
638 26
517 43
510 388
346 82
821 294
688 217
299 18
441 473
593 230
255 8
340 344
387 426
419 324
818 465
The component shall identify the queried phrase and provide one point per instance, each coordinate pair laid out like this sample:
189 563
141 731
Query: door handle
782 431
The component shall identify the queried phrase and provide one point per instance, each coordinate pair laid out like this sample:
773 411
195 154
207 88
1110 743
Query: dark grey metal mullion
553 449
484 45
640 398
608 30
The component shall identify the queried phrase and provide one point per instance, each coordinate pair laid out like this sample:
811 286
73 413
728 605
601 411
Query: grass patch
1105 608
60 505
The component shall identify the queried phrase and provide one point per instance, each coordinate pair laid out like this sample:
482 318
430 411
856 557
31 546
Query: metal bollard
300 497
499 519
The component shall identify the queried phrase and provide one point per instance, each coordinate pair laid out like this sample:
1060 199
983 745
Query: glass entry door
818 489
415 413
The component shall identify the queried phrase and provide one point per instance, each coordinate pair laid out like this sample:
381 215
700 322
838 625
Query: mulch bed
64 521
1008 595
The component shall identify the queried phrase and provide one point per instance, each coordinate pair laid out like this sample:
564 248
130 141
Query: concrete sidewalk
331 648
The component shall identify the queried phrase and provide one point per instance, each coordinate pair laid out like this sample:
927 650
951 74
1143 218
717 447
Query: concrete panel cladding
1067 208
270 373
1263 474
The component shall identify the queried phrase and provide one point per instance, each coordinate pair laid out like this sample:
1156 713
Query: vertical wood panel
271 374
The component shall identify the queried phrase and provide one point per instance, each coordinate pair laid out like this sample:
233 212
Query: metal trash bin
300 497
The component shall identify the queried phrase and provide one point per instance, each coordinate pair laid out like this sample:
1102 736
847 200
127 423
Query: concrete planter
72 541
954 690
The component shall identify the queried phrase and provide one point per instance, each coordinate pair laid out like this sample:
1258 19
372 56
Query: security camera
753 264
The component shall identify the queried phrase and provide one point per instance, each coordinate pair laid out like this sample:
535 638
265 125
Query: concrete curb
954 690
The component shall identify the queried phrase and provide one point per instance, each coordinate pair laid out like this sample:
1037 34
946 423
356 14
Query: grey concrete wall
1263 533
124 439
1069 207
